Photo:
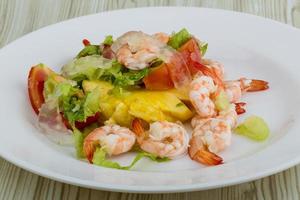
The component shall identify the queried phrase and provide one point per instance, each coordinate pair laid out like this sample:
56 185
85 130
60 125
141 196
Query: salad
135 92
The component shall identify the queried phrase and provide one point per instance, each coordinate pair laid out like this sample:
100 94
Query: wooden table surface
19 17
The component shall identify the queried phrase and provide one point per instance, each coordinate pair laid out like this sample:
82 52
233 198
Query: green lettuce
78 141
88 51
99 68
203 48
100 159
108 40
179 38
85 67
77 108
79 138
75 105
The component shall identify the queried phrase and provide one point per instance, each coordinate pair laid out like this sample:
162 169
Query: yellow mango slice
148 105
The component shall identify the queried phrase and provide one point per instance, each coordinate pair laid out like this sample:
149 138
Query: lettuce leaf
131 77
71 101
78 141
203 48
101 160
179 38
108 40
99 68
88 51
77 108
85 67
79 138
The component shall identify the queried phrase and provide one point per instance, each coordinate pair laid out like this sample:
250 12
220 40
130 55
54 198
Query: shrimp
164 139
235 89
163 37
217 67
115 139
230 115
212 135
136 49
209 138
201 89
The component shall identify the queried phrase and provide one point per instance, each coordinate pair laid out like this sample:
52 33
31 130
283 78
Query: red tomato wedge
158 79
191 53
37 76
179 71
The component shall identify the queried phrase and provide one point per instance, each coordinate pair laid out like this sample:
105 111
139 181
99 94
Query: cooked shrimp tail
239 107
235 89
209 72
207 158
138 129
253 85
202 154
90 147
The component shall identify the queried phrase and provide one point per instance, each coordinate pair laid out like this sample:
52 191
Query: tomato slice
191 53
179 71
158 79
37 76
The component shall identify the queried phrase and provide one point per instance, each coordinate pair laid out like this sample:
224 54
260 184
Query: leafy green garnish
203 48
108 40
179 38
131 77
75 105
120 76
76 108
85 67
254 128
179 104
221 101
100 159
88 51
78 140
98 68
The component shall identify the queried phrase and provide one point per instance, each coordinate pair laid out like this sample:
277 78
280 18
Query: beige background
20 17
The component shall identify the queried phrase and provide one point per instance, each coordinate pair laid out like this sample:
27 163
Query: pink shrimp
217 67
115 139
164 139
208 139
230 115
212 135
163 37
202 87
235 89
136 49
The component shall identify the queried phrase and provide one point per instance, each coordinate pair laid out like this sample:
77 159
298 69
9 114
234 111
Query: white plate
247 45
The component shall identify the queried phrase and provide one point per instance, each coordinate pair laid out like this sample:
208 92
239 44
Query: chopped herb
179 104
